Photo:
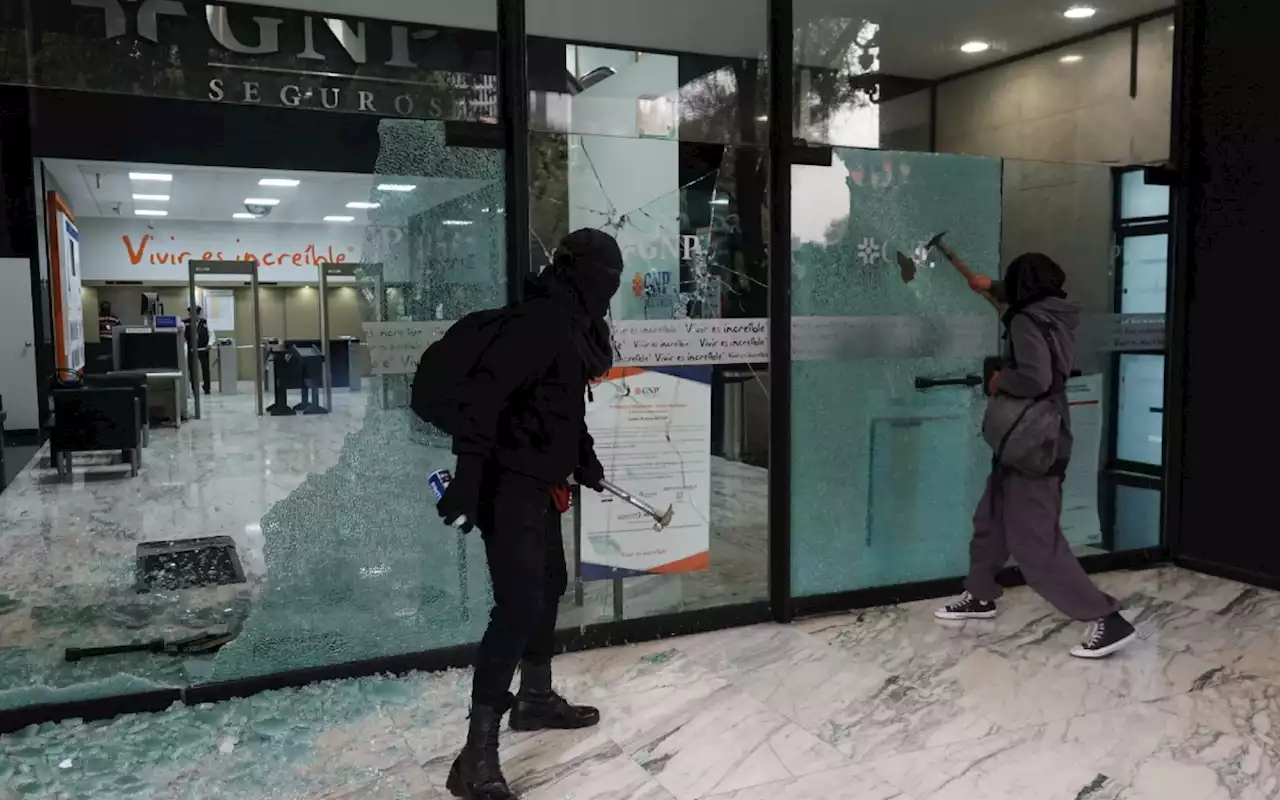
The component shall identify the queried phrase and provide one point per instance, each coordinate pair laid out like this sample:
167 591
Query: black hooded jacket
528 415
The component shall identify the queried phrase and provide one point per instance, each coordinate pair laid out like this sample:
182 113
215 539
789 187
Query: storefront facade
773 172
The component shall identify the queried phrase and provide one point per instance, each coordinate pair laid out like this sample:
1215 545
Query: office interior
1025 129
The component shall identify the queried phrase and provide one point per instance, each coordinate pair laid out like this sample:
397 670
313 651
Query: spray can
439 481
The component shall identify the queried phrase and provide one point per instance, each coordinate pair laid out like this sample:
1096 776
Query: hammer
661 519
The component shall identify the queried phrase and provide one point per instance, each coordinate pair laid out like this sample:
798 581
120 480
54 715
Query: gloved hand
462 498
590 474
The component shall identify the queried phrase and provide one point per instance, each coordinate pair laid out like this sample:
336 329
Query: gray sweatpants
1019 516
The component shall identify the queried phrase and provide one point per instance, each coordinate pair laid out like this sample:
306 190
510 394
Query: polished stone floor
879 704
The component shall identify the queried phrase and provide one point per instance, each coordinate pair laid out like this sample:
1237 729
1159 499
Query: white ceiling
214 194
918 38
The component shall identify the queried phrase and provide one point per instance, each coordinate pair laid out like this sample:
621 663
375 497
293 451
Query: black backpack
439 385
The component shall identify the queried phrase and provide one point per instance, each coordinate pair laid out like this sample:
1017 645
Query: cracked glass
665 153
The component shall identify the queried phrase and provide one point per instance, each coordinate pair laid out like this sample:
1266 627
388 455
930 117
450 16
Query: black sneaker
1105 637
967 607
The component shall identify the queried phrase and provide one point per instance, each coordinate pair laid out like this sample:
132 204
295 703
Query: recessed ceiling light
975 47
396 187
364 205
262 201
243 215
159 198
457 222
1079 12
1071 59
150 176
286 183
150 212
339 218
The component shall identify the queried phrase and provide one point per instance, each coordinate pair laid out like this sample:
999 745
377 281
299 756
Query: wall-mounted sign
133 250
254 55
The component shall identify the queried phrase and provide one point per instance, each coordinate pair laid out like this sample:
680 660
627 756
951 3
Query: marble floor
881 704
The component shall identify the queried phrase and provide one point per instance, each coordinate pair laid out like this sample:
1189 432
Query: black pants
204 370
525 551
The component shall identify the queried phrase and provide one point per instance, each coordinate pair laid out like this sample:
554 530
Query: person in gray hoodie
1018 514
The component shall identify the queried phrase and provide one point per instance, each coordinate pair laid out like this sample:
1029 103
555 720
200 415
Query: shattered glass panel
690 220
636 88
364 738
359 565
885 471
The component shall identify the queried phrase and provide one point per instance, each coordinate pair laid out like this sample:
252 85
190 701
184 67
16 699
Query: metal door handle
931 383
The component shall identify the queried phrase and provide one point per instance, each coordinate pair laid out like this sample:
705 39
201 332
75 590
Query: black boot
538 707
476 773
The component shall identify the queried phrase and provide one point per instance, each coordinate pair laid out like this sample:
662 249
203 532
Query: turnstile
228 365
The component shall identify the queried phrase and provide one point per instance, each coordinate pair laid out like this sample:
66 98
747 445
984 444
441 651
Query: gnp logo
651 284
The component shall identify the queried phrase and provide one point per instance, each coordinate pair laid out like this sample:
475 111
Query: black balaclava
1030 278
588 266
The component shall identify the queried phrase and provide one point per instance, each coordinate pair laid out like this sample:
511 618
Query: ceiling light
456 222
150 212
243 215
262 201
1079 12
975 47
364 205
1071 59
720 201
339 218
396 187
762 118
150 176
159 198
284 183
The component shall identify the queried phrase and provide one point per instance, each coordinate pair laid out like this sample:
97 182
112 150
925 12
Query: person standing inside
522 433
1019 513
200 336
106 321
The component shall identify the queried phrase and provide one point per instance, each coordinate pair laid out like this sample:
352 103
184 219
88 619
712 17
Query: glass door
888 348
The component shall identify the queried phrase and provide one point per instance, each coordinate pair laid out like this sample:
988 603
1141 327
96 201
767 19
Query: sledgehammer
661 519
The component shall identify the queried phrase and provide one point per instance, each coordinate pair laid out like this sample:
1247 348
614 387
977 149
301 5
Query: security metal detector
221 268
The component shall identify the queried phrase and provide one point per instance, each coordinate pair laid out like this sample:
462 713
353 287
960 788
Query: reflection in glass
1140 425
622 149
1146 274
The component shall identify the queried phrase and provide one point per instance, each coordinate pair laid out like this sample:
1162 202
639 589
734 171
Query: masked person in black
1019 514
523 433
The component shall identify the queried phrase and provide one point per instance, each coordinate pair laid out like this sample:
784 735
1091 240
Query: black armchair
134 380
92 419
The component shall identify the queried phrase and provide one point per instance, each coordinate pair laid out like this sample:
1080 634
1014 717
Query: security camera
257 210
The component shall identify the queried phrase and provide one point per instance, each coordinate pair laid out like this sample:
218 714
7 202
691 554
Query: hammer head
935 241
661 521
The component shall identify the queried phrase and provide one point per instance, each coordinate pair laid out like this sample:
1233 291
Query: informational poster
652 430
1080 521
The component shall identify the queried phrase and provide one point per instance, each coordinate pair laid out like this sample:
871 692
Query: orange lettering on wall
135 256
310 256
